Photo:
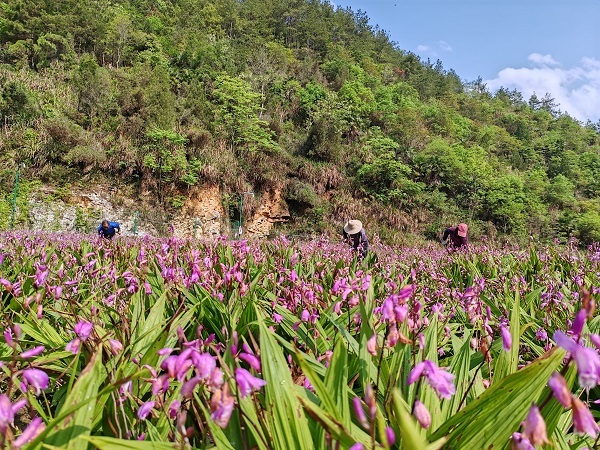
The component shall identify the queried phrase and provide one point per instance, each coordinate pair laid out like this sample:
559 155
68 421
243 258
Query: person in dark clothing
108 229
456 237
355 235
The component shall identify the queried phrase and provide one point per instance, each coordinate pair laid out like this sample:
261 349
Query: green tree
165 156
236 117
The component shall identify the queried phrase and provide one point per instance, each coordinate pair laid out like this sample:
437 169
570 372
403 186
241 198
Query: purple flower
252 360
204 364
32 352
221 406
36 378
35 427
506 338
422 414
7 414
357 446
73 346
390 435
247 382
559 388
187 389
439 379
520 442
579 322
8 338
595 340
174 408
7 284
583 420
115 346
83 329
534 427
145 410
372 345
587 360
541 334
360 413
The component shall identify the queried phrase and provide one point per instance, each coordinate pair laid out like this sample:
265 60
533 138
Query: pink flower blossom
390 436
422 414
587 360
559 388
252 360
520 442
579 322
372 345
7 414
247 382
360 413
145 410
74 346
83 330
32 352
115 346
534 427
221 406
506 338
438 378
583 420
36 378
35 427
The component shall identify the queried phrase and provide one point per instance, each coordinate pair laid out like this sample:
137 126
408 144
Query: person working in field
355 235
108 229
455 237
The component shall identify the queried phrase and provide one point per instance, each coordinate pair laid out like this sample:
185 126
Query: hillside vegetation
162 95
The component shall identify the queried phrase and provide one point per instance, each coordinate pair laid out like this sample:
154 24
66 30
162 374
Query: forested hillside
296 95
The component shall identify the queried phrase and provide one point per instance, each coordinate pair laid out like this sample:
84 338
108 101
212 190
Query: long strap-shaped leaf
288 422
70 431
109 443
489 421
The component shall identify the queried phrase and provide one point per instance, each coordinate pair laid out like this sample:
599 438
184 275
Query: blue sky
541 46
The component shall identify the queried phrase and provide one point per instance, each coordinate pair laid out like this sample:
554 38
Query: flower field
166 343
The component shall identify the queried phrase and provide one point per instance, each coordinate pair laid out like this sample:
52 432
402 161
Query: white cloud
445 46
576 89
544 60
434 50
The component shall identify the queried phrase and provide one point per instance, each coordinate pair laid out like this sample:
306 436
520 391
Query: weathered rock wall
201 215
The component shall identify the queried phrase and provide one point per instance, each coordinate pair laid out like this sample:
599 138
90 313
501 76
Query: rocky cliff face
201 215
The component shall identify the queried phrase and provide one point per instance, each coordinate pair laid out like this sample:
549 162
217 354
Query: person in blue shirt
108 229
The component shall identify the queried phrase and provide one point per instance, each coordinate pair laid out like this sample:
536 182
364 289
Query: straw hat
353 226
462 229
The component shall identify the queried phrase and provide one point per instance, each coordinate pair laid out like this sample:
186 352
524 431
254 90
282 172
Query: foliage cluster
245 93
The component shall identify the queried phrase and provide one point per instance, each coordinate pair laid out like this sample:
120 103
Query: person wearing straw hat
355 235
456 237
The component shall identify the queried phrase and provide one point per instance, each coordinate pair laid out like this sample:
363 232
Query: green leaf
460 367
336 429
109 443
489 421
289 425
410 432
507 361
71 429
336 381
